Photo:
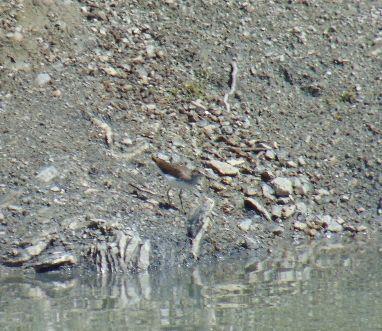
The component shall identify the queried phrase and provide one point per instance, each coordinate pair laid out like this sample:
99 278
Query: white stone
223 168
282 186
245 225
300 226
335 227
150 50
42 79
48 174
288 211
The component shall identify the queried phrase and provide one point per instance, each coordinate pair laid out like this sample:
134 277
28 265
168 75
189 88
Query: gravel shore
278 103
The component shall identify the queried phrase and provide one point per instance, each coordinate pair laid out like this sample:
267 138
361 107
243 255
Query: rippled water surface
330 287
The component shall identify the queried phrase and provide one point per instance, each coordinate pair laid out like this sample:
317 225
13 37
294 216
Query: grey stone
282 186
245 225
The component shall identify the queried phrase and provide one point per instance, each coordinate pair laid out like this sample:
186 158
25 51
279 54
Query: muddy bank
278 103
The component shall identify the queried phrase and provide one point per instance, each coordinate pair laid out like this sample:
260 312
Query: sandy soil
91 89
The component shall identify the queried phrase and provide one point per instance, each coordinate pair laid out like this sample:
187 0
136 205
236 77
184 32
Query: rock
283 200
245 225
210 174
258 207
297 185
323 192
266 173
110 71
270 155
48 174
144 257
360 210
36 249
335 227
227 180
1 217
288 211
340 220
223 168
344 198
235 162
276 229
350 228
150 50
361 228
54 261
292 164
300 225
282 186
268 192
217 186
42 79
250 191
325 220
301 161
18 36
251 243
276 211
301 208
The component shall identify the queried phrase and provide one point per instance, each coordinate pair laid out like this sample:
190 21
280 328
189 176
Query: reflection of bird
177 176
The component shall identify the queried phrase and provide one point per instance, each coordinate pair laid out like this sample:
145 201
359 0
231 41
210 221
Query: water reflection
305 287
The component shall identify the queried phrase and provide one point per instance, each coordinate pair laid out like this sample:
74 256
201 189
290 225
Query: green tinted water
330 287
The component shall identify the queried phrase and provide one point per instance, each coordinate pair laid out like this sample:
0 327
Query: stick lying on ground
233 86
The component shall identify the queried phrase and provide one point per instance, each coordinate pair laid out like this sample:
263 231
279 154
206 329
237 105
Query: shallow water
308 287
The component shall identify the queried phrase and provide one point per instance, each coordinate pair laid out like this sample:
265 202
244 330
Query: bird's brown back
173 170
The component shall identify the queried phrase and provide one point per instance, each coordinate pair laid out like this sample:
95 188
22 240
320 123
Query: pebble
276 211
301 161
270 155
48 174
301 208
223 168
18 36
258 207
268 192
57 93
292 164
288 211
235 162
150 50
227 180
55 261
323 192
325 220
245 225
217 186
42 79
276 229
300 225
306 186
361 228
110 71
282 186
1 217
335 227
281 155
210 174
250 191
360 210
36 249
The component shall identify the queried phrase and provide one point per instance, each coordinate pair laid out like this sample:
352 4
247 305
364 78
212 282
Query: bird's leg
168 197
180 198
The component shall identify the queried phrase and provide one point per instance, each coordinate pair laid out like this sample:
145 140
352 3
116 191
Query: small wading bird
177 176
